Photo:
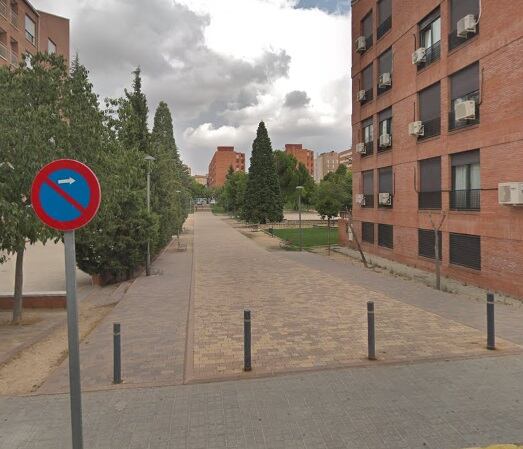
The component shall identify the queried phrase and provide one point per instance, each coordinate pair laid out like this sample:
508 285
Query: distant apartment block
201 179
437 130
24 31
306 157
345 158
325 163
223 158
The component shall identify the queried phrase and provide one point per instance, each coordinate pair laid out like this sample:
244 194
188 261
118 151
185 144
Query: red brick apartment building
223 158
306 157
438 129
24 30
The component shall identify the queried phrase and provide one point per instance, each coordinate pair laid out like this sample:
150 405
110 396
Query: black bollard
491 336
117 356
246 340
371 330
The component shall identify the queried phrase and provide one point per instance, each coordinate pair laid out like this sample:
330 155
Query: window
430 110
465 250
385 67
385 236
367 232
465 193
458 10
366 29
366 81
384 17
430 38
430 183
367 129
368 188
427 243
51 47
385 186
385 129
464 86
30 30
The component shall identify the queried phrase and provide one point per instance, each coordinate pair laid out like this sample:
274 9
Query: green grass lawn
311 236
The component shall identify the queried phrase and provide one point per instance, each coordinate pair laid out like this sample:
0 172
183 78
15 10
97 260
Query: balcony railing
431 54
465 199
368 96
383 89
369 148
4 52
368 42
3 8
455 41
429 200
431 128
457 124
385 26
14 18
14 58
369 200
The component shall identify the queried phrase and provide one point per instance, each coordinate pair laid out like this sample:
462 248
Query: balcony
458 124
385 26
431 54
14 58
455 41
368 96
429 200
465 199
369 200
368 42
14 18
431 128
3 8
4 52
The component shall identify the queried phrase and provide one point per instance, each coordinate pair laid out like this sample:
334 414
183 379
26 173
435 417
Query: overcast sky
223 66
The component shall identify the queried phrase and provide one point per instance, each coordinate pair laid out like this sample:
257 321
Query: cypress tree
263 202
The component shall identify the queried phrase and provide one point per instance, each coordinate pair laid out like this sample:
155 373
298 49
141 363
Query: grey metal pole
148 259
73 340
491 336
299 213
247 340
371 331
117 354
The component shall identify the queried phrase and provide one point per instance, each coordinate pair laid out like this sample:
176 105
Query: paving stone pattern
302 318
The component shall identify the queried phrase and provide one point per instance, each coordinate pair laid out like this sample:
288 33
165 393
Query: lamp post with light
299 189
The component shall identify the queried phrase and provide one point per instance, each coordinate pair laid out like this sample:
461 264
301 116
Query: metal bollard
246 340
371 330
117 356
491 336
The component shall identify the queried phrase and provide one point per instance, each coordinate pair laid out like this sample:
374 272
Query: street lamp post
149 159
179 204
299 189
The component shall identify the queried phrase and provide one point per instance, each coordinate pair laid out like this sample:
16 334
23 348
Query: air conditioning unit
385 140
419 55
360 199
361 95
510 193
465 110
385 199
361 44
385 80
466 25
416 128
360 148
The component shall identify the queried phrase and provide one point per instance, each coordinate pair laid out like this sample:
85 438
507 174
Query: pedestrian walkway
303 317
153 318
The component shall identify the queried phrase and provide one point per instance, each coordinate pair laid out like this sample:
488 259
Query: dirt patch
26 321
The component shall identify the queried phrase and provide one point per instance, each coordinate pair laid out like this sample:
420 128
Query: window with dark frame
385 129
385 236
366 30
458 10
30 30
367 232
429 196
427 242
367 133
384 71
430 111
430 38
465 250
464 86
384 17
368 188
366 83
466 181
385 185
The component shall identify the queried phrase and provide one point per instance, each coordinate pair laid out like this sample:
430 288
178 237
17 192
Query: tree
290 175
329 201
437 261
263 202
233 193
343 178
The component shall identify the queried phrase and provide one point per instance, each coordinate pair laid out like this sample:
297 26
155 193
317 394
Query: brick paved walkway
437 405
153 317
302 318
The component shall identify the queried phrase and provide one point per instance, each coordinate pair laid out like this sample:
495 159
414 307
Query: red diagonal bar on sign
65 195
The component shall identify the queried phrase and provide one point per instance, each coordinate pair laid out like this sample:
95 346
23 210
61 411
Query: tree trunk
329 234
437 261
19 283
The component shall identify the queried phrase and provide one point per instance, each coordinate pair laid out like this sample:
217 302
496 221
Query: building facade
223 158
306 157
325 163
437 127
25 31
345 158
201 179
